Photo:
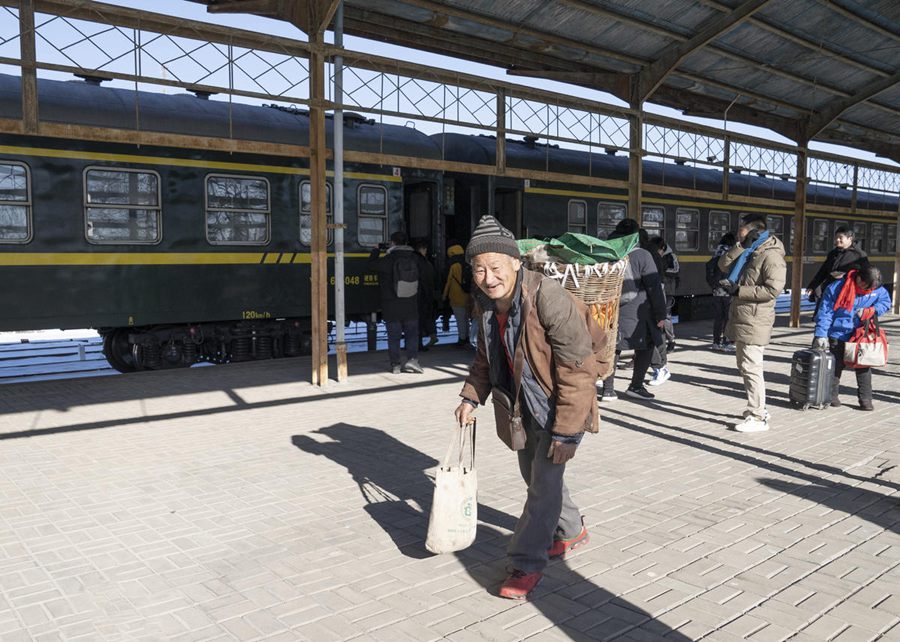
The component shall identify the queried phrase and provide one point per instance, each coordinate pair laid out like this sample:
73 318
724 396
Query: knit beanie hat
490 236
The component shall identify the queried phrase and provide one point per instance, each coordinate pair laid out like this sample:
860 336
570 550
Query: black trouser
863 375
721 305
641 364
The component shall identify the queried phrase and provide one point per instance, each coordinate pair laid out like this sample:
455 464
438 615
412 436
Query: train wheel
118 351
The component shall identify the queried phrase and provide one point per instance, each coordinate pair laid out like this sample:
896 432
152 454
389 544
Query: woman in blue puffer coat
846 305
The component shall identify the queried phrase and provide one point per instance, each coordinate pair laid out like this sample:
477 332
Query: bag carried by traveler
812 372
465 276
713 273
509 425
454 509
406 275
867 347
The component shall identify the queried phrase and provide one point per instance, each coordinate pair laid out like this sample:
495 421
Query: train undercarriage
163 347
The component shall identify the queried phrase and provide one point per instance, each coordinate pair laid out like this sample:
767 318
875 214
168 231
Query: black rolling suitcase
812 372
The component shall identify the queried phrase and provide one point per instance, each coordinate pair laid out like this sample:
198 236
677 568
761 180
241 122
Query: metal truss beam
812 45
862 20
675 54
310 16
834 109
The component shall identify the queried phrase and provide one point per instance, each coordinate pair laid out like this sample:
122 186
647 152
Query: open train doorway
419 211
508 209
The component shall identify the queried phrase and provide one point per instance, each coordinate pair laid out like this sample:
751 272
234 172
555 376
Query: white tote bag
454 511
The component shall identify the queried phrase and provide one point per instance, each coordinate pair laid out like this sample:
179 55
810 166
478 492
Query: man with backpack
721 298
457 290
399 273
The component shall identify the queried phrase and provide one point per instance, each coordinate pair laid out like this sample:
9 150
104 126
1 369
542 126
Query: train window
719 224
373 213
891 240
15 203
237 210
653 219
859 235
121 206
608 216
876 241
306 218
821 237
775 225
687 230
578 217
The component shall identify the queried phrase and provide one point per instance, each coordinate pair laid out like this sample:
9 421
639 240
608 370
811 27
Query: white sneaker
717 347
660 376
752 424
608 397
729 347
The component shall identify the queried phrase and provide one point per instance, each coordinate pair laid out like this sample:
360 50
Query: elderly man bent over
534 347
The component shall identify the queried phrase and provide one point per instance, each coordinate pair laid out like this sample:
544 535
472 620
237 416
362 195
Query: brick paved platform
240 503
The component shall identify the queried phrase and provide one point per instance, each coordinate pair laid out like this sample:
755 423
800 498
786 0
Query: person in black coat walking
642 315
400 281
845 256
427 305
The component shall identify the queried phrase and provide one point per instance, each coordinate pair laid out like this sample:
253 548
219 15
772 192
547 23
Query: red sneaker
519 584
560 547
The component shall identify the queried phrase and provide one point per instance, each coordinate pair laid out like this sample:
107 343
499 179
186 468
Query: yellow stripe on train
26 259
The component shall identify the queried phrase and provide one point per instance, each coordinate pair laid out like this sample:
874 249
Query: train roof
84 103
529 154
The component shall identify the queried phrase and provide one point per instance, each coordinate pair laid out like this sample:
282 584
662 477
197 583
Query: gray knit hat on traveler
490 236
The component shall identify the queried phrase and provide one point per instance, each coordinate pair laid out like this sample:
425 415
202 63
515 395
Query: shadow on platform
633 422
881 510
393 476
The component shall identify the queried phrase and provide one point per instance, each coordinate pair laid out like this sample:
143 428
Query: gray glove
820 343
729 286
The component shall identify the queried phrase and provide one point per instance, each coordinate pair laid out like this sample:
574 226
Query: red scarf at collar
849 292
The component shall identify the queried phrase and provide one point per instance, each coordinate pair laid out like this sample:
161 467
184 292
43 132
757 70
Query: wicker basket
597 286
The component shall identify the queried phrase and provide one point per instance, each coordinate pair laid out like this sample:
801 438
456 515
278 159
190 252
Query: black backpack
465 280
713 273
406 275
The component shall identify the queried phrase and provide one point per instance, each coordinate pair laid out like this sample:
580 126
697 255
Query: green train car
181 255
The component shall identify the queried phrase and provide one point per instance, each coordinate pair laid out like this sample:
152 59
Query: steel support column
29 70
501 131
895 295
337 192
635 152
799 236
726 168
318 262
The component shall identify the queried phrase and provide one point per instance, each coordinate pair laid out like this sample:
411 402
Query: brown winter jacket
556 344
752 312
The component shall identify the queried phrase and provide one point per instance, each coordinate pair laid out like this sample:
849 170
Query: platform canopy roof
825 70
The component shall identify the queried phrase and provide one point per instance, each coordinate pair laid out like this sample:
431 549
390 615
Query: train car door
419 215
508 209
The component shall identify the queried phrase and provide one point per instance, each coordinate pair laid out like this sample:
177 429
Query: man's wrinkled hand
463 413
820 343
661 324
560 453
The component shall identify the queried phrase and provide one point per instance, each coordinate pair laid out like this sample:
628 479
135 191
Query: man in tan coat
756 274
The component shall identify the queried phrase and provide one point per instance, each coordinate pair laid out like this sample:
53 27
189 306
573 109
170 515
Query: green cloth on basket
582 249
